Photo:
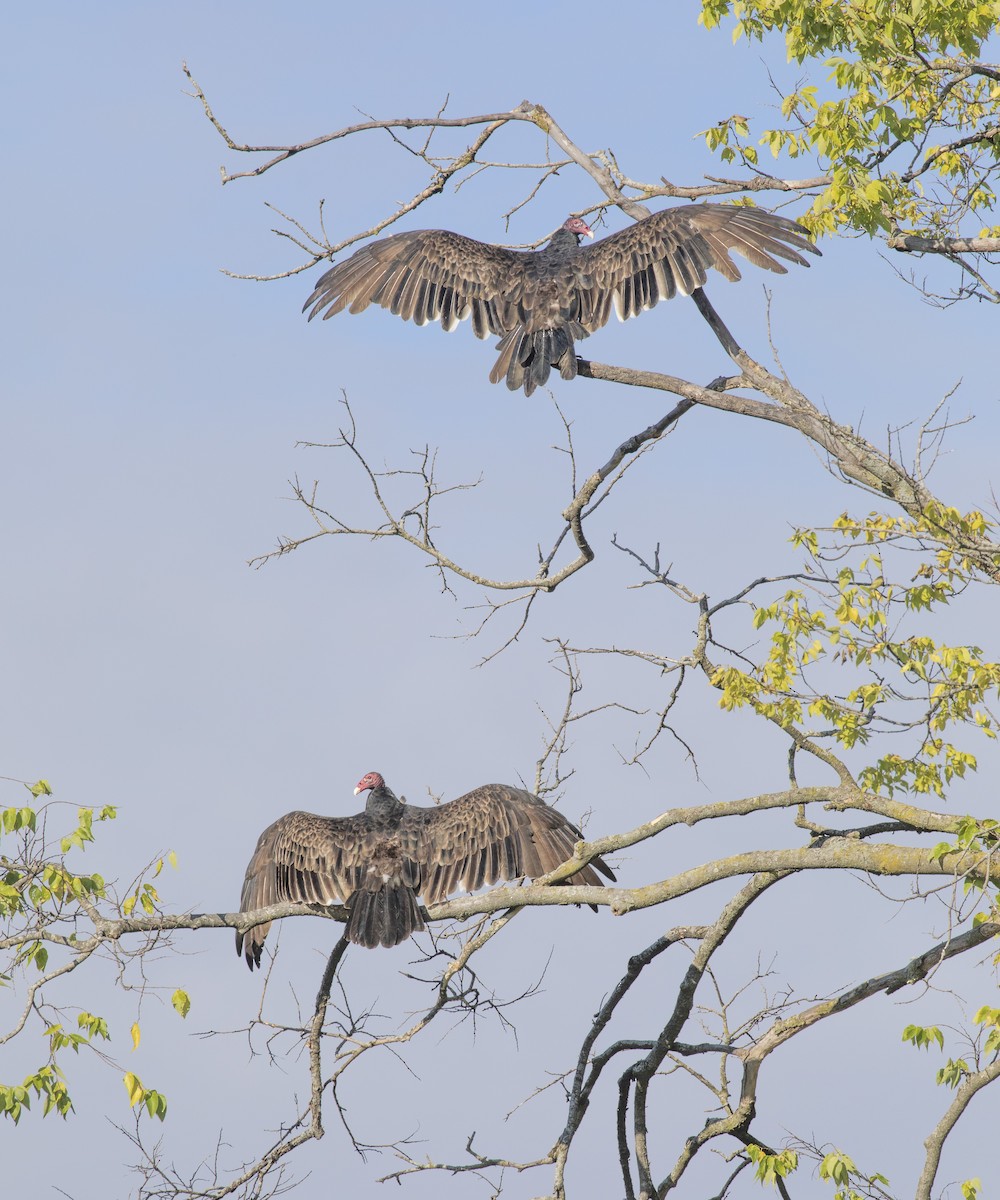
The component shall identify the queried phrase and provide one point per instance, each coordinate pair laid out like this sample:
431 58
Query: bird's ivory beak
356 790
590 233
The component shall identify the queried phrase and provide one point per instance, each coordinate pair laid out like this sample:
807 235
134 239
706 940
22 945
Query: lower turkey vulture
379 861
540 302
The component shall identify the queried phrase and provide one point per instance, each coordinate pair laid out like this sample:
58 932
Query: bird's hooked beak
589 232
357 790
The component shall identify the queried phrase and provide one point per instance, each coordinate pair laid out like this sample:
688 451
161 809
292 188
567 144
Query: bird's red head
373 780
578 226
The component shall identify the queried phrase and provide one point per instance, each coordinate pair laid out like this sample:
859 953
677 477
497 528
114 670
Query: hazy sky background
151 409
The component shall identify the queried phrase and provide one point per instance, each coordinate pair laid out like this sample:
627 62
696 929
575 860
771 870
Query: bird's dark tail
384 917
588 876
254 941
526 357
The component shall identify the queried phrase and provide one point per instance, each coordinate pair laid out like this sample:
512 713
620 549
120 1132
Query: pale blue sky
151 408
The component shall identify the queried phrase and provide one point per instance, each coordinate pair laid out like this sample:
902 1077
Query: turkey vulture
540 302
379 861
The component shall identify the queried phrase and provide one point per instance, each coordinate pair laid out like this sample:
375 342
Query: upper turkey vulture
540 302
379 861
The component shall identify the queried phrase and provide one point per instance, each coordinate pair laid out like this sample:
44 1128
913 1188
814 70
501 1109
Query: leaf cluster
49 912
905 122
856 618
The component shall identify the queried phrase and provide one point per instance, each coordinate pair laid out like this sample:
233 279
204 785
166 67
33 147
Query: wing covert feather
424 275
492 833
306 857
672 251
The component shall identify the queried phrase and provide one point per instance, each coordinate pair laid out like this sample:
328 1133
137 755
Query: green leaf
923 1036
770 1167
837 1167
95 1026
953 1072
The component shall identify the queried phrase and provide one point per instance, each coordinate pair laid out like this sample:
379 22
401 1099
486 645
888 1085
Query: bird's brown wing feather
671 251
493 833
304 857
424 275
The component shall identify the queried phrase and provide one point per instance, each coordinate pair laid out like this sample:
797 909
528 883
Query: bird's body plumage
380 861
539 303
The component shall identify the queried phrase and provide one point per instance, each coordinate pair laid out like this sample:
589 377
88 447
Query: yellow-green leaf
134 1088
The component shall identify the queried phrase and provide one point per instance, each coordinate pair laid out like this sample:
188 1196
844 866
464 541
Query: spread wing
424 275
305 857
671 251
495 832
